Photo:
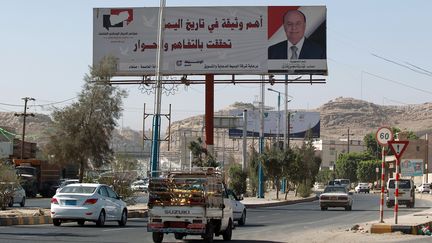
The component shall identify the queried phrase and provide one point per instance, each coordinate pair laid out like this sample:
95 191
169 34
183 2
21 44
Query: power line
427 73
400 83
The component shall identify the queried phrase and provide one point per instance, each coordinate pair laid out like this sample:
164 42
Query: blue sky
46 47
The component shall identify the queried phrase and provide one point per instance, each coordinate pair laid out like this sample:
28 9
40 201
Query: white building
329 150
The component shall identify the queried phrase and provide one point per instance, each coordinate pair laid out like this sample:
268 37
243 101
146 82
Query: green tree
253 162
200 155
83 130
347 164
291 167
324 176
237 179
366 170
372 146
273 158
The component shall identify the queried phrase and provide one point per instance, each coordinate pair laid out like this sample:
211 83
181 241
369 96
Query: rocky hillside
363 117
337 116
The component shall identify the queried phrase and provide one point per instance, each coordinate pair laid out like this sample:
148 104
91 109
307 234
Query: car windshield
335 189
405 184
344 182
78 189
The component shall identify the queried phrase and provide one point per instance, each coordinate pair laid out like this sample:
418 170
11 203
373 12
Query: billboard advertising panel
200 40
300 123
411 167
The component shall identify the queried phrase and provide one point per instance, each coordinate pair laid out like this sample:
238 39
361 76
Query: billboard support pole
209 112
261 142
158 95
244 140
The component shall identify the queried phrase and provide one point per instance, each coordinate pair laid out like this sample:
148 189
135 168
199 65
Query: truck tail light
54 200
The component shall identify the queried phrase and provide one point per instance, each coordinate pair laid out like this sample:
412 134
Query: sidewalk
407 224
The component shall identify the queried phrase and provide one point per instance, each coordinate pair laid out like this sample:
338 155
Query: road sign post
398 147
383 136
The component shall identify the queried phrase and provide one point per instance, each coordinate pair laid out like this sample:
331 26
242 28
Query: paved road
264 225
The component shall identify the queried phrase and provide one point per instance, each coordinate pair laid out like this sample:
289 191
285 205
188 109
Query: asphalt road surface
263 225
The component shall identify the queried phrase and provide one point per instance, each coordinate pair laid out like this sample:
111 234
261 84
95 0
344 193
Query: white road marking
118 229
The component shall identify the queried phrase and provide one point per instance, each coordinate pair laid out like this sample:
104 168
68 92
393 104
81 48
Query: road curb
381 228
32 220
25 220
281 203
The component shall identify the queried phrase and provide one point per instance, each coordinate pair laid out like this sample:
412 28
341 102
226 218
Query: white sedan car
140 185
362 187
88 202
336 196
239 209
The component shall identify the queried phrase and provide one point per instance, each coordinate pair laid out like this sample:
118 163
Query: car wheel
227 234
81 222
209 234
123 220
56 222
101 219
348 208
179 236
157 237
323 208
242 220
22 203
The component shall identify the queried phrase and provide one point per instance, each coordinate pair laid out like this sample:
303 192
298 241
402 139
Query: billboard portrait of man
303 33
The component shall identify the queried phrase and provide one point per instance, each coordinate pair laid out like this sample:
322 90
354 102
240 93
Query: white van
406 193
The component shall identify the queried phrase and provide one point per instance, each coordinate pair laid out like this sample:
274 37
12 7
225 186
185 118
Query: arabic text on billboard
217 40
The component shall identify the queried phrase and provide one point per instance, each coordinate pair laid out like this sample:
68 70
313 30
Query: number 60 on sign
384 135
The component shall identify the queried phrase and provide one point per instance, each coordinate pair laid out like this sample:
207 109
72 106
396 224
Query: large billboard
213 40
300 123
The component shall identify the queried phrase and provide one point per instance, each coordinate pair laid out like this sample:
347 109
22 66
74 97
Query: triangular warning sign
398 147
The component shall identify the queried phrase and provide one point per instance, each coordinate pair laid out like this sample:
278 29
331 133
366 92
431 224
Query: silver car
336 196
18 196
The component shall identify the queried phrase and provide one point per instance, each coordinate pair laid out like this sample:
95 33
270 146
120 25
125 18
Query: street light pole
285 113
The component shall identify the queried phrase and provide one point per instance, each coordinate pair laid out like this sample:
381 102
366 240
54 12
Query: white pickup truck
190 203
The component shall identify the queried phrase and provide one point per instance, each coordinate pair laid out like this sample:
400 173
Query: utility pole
24 115
348 134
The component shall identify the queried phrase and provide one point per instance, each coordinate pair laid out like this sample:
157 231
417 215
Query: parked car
140 185
18 196
239 209
336 196
66 182
424 188
318 186
406 193
88 202
362 187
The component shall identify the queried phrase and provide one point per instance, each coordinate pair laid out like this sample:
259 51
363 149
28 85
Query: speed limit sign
384 135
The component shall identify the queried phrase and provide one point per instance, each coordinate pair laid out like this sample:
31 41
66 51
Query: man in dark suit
297 46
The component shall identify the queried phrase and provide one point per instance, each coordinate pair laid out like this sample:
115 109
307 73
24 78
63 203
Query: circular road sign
383 135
